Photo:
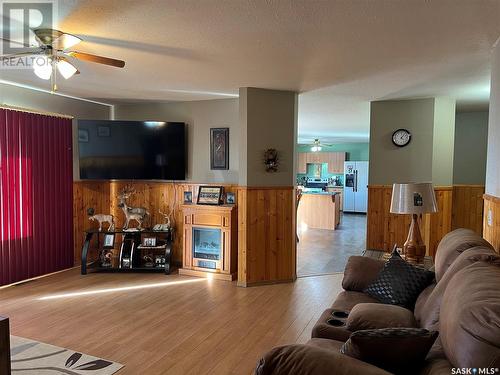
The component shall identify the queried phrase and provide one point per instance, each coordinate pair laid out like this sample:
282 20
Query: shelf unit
132 248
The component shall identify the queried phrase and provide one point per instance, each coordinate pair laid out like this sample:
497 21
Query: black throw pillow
399 282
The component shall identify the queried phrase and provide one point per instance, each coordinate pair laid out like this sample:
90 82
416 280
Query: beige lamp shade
413 198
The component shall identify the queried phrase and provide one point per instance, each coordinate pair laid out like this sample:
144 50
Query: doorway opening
332 199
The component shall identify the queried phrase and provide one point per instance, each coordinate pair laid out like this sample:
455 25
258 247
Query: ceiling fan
317 145
53 50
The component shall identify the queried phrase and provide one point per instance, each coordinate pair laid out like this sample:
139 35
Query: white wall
471 140
199 116
268 119
412 163
493 158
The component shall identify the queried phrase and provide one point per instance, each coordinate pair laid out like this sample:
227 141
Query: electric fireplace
210 241
207 247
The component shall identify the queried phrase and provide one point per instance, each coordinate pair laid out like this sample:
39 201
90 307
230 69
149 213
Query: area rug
34 357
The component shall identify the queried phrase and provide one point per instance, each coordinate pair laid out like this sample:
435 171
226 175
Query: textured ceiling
338 54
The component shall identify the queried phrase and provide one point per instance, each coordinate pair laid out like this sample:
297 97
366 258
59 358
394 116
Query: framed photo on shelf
188 197
230 198
149 241
210 195
109 241
219 148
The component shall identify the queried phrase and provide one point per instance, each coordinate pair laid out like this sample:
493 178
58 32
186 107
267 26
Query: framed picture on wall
219 148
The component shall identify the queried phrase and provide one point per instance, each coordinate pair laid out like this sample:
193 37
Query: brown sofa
463 305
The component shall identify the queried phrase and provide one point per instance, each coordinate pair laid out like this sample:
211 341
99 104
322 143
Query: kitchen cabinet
335 161
302 162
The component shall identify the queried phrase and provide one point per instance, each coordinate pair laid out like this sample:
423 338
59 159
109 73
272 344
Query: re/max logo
474 371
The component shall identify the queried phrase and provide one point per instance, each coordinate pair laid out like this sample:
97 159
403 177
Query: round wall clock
401 137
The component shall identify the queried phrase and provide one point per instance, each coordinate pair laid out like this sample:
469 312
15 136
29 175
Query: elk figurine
102 218
131 213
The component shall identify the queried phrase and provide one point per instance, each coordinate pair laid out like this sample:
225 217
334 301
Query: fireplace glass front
207 247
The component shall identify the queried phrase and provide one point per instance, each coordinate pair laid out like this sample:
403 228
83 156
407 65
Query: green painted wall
355 151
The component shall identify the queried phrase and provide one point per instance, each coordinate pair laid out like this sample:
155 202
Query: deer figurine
167 216
102 218
131 213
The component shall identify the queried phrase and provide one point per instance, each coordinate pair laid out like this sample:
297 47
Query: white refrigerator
355 186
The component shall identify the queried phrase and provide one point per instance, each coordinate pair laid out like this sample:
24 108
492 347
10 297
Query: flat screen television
131 150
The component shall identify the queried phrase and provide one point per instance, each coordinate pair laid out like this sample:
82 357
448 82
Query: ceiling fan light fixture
66 69
68 40
315 148
42 67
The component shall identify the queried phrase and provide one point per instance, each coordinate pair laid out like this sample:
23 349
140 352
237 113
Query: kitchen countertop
321 192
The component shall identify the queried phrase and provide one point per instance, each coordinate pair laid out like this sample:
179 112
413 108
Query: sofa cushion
393 349
439 366
469 321
300 359
421 301
346 300
399 282
377 315
429 316
360 271
454 243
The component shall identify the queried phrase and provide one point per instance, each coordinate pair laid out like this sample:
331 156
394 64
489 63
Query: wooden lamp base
414 247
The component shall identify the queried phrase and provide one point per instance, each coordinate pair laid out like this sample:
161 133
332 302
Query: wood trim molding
491 198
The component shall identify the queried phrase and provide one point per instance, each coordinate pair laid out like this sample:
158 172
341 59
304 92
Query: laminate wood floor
157 324
321 251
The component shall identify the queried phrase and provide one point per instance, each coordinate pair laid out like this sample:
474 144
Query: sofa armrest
323 330
360 271
301 359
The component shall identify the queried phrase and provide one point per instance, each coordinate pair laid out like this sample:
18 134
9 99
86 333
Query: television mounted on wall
131 150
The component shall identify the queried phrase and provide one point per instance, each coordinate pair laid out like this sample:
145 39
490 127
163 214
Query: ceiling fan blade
18 43
96 59
24 53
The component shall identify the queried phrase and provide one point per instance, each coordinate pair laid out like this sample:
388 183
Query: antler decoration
127 191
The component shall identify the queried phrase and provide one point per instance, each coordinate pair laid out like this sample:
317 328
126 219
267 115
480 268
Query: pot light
66 69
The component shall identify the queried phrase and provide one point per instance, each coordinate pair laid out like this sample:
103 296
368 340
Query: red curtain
36 188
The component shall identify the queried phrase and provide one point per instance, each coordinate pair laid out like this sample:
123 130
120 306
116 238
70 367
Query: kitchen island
319 210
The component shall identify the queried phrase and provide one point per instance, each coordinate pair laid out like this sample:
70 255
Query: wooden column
266 200
4 346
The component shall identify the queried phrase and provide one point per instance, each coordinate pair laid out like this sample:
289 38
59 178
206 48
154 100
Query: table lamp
414 199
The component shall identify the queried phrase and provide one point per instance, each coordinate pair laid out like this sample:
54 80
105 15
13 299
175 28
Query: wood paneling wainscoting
492 232
155 196
385 229
266 235
467 207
